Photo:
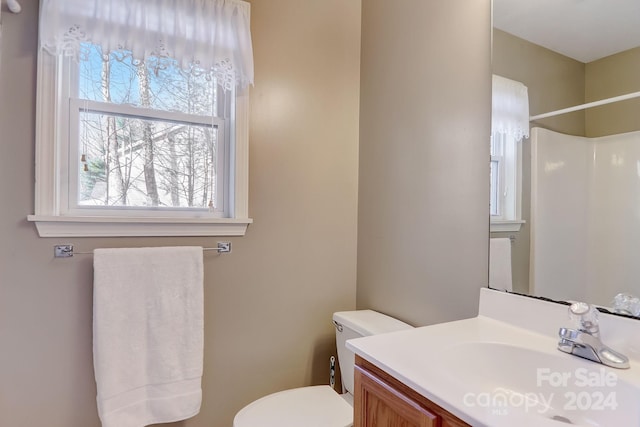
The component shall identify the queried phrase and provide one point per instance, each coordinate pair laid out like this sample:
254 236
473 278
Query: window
510 124
505 177
144 138
149 137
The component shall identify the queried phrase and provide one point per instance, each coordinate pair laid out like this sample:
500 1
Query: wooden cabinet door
377 404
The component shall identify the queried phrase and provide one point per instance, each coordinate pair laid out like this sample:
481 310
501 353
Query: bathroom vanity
501 368
380 399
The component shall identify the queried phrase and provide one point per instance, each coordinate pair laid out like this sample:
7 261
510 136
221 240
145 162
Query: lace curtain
510 108
203 36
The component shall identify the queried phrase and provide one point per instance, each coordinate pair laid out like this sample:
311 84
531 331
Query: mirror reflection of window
506 164
510 125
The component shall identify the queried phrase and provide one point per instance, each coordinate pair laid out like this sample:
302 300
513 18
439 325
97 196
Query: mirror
581 236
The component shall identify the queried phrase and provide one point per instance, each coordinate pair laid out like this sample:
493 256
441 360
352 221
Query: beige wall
554 82
269 303
424 150
614 75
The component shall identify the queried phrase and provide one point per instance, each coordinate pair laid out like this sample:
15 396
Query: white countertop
440 362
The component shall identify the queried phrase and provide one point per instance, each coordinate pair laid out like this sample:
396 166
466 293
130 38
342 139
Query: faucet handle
586 317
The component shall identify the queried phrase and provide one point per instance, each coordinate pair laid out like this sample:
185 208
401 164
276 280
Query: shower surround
585 216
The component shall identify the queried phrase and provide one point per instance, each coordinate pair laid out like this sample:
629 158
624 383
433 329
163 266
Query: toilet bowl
317 406
320 406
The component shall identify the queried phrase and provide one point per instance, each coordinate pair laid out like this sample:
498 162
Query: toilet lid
317 406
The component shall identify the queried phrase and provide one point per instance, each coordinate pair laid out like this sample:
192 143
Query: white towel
148 334
500 264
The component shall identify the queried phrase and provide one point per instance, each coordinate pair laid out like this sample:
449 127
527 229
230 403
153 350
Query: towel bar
66 251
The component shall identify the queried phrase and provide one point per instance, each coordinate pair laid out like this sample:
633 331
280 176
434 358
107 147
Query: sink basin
502 368
504 379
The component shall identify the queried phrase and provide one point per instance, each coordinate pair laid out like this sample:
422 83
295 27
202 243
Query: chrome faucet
585 340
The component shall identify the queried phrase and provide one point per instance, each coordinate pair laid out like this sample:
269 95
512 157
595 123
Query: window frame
76 106
509 188
51 217
496 186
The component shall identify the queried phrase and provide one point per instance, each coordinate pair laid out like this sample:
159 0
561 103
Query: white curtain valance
510 108
210 36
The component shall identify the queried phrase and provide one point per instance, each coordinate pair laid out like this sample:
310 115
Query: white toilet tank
356 324
320 406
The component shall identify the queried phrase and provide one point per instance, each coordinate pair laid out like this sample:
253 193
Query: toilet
320 406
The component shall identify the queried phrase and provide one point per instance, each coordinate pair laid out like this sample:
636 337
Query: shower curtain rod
585 106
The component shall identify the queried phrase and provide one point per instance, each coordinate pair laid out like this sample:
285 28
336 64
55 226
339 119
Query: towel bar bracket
223 247
63 251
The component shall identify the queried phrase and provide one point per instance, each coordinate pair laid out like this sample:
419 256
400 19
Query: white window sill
86 226
505 225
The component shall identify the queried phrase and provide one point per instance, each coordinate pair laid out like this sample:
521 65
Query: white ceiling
584 30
